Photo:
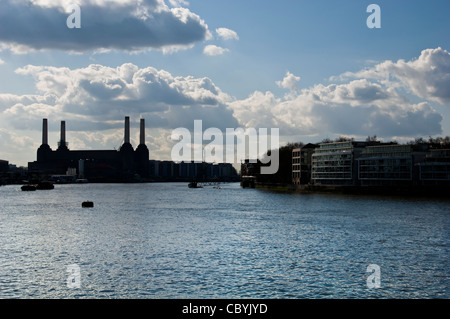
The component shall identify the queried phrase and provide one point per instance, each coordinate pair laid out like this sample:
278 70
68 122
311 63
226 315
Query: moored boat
29 187
194 185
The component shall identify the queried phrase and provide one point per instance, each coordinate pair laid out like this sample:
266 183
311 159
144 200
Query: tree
294 145
443 141
284 173
344 139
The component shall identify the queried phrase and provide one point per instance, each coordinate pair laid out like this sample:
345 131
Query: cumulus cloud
428 76
212 50
178 3
227 34
16 146
105 25
1 61
357 108
99 94
289 82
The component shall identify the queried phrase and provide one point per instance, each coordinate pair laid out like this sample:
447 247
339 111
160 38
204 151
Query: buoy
87 204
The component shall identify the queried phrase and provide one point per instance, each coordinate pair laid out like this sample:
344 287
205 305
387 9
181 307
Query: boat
194 185
28 188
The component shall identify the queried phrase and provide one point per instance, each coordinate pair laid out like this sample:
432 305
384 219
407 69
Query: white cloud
212 50
428 76
227 34
356 108
178 3
1 62
257 110
16 146
289 82
105 25
96 96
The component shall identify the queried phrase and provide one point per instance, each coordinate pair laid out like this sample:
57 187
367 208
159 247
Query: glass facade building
333 163
385 164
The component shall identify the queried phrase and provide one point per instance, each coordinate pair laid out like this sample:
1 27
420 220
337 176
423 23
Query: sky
313 69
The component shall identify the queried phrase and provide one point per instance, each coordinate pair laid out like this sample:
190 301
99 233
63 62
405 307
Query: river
168 241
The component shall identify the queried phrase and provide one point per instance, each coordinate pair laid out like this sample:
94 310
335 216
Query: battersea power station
125 164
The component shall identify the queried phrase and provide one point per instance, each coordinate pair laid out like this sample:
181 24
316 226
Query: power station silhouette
125 164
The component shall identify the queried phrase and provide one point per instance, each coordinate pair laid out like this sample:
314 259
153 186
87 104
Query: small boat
28 188
194 185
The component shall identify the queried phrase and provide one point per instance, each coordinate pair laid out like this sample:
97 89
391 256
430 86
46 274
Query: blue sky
312 68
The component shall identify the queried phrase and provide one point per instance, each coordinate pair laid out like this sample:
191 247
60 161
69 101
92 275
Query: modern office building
435 169
372 164
386 165
336 163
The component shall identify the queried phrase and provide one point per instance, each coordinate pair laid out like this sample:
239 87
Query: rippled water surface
169 241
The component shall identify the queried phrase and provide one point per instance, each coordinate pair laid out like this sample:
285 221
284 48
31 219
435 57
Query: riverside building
386 165
366 164
302 164
435 169
336 163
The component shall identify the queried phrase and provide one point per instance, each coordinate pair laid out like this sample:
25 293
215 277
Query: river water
168 241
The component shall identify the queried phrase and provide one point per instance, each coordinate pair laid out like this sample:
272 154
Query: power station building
125 164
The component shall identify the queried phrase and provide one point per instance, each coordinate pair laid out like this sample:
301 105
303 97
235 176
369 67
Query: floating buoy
87 204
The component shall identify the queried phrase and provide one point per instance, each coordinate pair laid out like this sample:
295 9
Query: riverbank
412 191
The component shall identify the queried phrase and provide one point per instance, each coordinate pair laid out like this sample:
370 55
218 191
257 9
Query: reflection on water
169 241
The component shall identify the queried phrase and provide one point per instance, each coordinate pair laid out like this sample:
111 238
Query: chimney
63 133
44 132
142 135
127 130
